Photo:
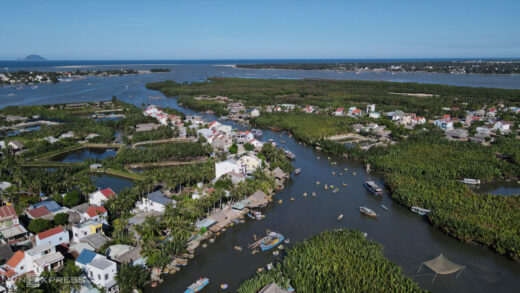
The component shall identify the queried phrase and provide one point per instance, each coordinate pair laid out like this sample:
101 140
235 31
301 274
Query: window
106 277
84 233
60 238
99 277
76 234
91 274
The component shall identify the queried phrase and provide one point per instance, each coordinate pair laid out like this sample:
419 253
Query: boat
197 286
384 207
344 184
340 217
283 141
269 266
313 193
272 239
470 181
276 253
317 183
326 187
274 128
333 173
368 212
238 248
372 187
297 171
223 286
420 211
289 154
291 199
257 132
304 194
280 201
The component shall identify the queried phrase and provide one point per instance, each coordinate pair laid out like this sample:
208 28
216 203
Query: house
253 112
50 205
243 137
445 123
486 130
99 270
256 143
375 115
69 134
339 112
16 265
308 109
54 236
99 197
4 185
371 108
226 166
354 112
146 127
85 229
236 107
97 213
43 258
460 134
249 163
491 113
206 133
155 202
96 240
51 139
502 126
418 120
225 129
214 125
221 141
16 145
236 177
94 167
10 228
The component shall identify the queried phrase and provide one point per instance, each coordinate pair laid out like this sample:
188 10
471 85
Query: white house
54 236
502 126
254 112
371 108
339 112
100 196
226 166
98 268
155 202
214 125
97 213
43 258
375 115
243 137
308 109
226 129
86 228
249 163
256 143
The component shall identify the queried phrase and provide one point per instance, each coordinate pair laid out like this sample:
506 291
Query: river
406 238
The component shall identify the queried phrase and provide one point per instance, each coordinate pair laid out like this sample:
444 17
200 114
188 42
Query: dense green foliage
39 225
162 152
336 93
184 175
424 171
61 219
334 261
477 66
131 277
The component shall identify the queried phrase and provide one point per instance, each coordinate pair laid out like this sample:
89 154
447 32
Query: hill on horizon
33 57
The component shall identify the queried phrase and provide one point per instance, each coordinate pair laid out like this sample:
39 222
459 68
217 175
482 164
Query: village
79 236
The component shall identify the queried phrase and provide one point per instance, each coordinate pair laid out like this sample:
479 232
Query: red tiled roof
10 273
7 211
49 233
94 211
446 116
107 192
356 111
38 212
16 259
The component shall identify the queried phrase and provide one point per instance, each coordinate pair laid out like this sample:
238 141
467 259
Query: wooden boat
297 171
368 212
257 132
313 193
291 199
223 286
384 207
470 181
340 217
326 187
317 183
372 187
280 201
274 128
333 173
238 248
344 184
197 286
304 194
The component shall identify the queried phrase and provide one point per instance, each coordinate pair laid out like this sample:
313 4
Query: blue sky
113 29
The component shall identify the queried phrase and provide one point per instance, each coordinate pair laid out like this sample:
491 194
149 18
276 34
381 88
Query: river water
406 238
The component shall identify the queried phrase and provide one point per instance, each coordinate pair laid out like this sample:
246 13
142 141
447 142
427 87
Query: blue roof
51 205
86 257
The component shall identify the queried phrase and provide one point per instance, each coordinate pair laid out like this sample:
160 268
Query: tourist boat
297 171
223 286
470 181
313 193
272 239
384 207
257 132
197 286
420 211
368 212
274 128
372 187
340 217
326 187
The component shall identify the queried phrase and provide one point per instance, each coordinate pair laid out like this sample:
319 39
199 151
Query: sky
265 29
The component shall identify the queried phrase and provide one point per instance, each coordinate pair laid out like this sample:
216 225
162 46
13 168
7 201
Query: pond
117 184
81 155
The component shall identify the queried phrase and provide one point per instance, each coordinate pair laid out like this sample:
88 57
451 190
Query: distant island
456 67
33 57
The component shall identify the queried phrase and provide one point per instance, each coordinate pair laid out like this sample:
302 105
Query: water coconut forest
420 166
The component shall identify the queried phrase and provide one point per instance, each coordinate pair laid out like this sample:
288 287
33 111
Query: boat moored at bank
197 286
373 187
